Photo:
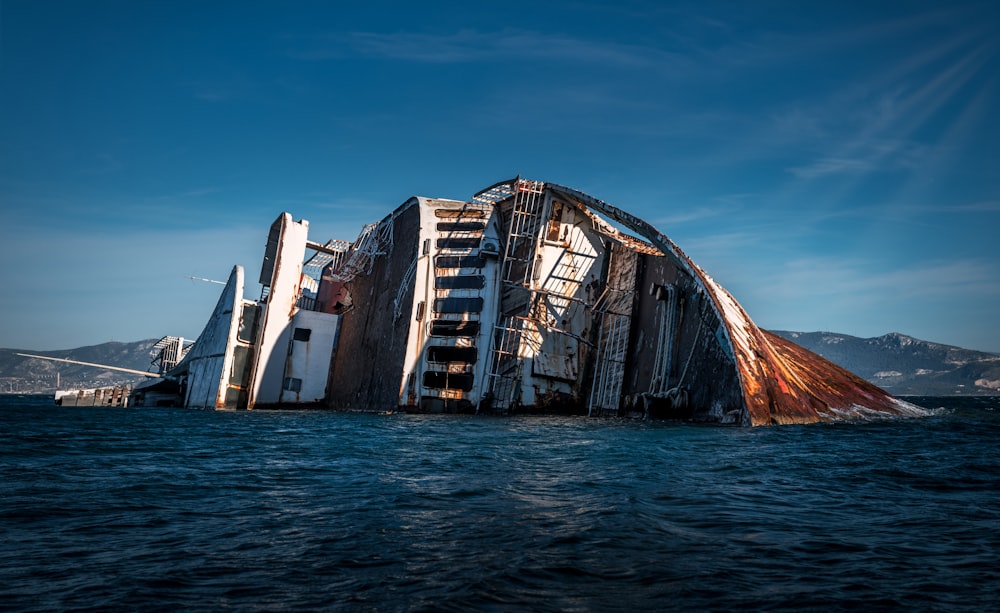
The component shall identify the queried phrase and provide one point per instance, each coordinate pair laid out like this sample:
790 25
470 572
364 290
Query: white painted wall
579 254
274 332
210 360
309 361
415 363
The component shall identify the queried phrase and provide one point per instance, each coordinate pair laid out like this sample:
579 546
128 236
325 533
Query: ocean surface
171 509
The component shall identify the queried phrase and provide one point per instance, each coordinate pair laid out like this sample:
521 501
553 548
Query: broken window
459 213
554 222
248 323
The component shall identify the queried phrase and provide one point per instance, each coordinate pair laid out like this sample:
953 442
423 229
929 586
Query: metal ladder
522 235
517 270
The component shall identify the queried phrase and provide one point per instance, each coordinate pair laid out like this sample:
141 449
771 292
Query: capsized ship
528 297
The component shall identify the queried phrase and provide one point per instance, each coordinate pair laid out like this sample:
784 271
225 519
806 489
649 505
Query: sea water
137 509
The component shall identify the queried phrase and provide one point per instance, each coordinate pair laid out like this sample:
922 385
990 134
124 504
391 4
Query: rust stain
781 382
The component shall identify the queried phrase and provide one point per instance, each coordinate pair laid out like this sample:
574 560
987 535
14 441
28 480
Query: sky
834 165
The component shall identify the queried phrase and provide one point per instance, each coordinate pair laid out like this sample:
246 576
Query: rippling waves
114 509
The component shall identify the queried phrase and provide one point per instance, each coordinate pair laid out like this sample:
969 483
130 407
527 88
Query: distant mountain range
31 376
900 364
907 366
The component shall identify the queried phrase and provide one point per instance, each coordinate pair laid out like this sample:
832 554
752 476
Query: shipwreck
528 297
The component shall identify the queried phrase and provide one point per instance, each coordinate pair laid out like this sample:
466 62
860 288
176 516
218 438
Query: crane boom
68 361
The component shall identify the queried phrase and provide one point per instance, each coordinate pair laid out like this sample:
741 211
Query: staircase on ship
531 306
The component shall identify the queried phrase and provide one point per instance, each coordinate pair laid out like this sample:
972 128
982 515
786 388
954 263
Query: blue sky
834 165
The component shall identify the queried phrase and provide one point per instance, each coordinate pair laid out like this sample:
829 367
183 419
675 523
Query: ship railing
614 308
306 303
375 239
505 364
496 193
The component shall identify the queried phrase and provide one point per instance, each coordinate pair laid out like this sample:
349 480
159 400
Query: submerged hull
524 298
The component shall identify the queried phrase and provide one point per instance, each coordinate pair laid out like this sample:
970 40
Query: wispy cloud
227 88
470 45
832 165
976 207
906 209
197 192
689 215
871 156
882 123
724 205
858 278
104 164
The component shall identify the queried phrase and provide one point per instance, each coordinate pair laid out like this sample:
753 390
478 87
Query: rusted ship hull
527 297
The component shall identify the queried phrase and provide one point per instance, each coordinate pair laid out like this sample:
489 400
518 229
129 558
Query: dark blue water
125 509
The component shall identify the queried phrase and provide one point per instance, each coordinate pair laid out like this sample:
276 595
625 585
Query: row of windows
456 305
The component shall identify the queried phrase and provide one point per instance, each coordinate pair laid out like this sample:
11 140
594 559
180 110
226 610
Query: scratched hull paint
526 298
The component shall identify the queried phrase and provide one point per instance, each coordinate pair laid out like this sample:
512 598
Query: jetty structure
528 297
165 354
